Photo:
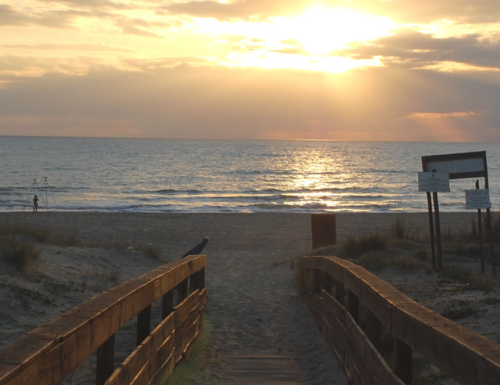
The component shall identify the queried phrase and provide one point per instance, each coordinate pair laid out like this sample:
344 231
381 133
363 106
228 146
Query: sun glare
322 30
307 41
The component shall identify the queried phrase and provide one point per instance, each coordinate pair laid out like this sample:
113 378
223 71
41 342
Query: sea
237 176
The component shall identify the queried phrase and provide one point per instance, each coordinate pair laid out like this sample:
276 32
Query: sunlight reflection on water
227 176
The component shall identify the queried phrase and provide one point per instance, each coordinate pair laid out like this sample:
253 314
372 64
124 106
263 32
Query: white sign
434 181
477 199
457 166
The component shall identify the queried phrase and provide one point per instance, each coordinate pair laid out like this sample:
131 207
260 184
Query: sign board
433 181
458 166
477 199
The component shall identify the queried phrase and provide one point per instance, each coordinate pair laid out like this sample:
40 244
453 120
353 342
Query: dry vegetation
20 245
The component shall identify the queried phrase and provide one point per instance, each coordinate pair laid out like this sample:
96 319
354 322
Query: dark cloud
96 4
9 16
376 104
418 48
408 11
242 9
424 11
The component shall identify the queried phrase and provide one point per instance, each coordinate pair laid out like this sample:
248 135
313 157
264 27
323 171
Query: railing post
328 283
105 361
340 292
202 278
197 280
182 290
353 305
373 329
403 361
143 324
167 304
316 281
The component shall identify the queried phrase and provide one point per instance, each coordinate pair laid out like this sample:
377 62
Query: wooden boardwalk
262 369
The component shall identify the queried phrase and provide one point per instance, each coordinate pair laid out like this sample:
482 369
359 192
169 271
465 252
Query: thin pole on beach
480 229
431 226
490 228
439 248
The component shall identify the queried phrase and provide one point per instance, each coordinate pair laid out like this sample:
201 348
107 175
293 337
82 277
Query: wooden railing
466 356
51 352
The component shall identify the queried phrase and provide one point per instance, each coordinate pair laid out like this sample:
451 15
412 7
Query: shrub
19 254
455 313
353 246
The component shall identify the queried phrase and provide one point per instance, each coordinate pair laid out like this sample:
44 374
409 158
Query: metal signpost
457 166
478 199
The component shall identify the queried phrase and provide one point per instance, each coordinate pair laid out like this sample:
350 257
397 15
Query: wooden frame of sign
458 166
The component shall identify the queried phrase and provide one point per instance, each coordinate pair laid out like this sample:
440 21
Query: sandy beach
253 307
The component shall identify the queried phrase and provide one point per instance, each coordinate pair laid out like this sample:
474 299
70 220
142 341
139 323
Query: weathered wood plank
466 356
56 349
140 356
261 369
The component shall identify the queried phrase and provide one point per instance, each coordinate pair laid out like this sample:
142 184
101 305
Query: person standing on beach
35 204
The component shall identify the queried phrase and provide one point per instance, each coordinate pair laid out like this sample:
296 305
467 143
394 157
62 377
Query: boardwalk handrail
49 353
466 356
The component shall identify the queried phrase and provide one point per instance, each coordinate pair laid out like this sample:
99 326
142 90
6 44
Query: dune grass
19 254
405 249
20 245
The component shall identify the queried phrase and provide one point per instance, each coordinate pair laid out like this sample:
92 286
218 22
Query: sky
361 70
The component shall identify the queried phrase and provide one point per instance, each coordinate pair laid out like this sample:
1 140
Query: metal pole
431 226
480 229
490 229
439 248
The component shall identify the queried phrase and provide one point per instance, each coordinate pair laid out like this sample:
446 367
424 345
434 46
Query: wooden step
261 369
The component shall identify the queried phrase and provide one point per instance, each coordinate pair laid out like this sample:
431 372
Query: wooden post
431 226
193 282
340 292
353 305
316 281
328 283
182 290
403 362
324 230
167 304
438 231
202 278
105 361
373 329
143 324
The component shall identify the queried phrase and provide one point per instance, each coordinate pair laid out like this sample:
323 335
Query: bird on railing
198 248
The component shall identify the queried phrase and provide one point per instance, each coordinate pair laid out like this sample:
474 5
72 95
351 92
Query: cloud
423 49
219 102
102 4
433 115
240 9
404 11
9 16
80 47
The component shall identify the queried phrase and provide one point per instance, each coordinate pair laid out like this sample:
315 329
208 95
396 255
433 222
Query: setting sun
322 30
